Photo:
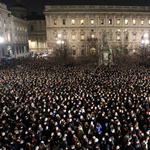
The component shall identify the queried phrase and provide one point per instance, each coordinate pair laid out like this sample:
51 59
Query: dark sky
38 5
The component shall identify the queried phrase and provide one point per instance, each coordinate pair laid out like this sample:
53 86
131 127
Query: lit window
55 22
126 21
149 21
102 21
81 21
118 37
118 21
110 21
92 21
142 22
17 28
73 36
92 36
134 21
20 28
82 37
73 22
9 25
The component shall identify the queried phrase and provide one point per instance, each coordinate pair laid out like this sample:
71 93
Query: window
74 52
4 24
73 22
55 22
142 22
149 21
134 22
110 21
73 36
20 50
17 50
0 24
20 28
3 53
32 28
102 21
81 22
17 28
92 36
64 21
10 26
25 30
118 37
126 36
92 21
82 36
126 21
82 52
134 37
110 37
118 21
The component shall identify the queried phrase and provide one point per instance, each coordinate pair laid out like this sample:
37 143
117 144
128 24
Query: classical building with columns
37 33
36 27
13 35
82 26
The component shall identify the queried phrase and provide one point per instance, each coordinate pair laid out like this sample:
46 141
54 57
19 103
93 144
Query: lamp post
144 45
60 42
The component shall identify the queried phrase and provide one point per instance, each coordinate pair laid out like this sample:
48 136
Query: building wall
37 36
79 25
14 32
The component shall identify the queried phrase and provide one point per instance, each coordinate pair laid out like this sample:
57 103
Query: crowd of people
45 105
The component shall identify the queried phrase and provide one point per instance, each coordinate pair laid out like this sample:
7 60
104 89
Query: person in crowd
45 105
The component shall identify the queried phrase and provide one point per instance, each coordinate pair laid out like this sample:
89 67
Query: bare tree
62 51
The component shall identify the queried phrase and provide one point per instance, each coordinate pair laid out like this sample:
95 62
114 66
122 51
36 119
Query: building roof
35 16
18 5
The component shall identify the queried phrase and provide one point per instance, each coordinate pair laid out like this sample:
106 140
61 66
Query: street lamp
60 42
144 47
1 39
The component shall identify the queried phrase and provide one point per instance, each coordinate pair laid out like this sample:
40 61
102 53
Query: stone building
37 33
13 35
18 10
82 26
36 27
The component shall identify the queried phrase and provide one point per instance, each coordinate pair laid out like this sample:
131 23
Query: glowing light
59 35
1 39
145 35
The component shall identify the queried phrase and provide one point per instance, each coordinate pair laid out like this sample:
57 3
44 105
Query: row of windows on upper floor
145 37
17 27
110 22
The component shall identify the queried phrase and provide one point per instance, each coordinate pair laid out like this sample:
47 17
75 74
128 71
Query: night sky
38 5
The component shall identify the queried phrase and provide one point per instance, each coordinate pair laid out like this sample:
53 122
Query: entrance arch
9 51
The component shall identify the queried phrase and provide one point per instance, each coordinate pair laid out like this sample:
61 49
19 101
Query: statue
104 37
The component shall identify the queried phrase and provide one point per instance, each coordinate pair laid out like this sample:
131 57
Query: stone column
77 21
47 20
87 19
96 18
68 20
